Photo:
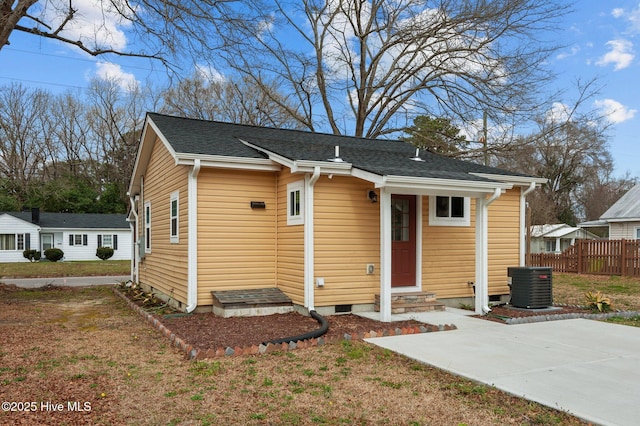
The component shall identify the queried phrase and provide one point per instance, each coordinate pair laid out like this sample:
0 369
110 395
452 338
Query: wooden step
251 302
411 302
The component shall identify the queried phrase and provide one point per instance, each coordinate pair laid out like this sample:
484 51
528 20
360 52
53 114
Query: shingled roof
75 220
381 157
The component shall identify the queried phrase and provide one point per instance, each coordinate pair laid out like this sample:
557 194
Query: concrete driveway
64 281
587 368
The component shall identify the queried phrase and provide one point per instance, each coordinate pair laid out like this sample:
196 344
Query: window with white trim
147 227
10 242
78 239
449 211
637 233
173 217
295 203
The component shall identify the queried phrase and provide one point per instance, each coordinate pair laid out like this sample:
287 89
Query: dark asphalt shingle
76 220
381 157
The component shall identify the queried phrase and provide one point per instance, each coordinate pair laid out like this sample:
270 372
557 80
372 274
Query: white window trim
636 233
175 196
147 227
449 221
299 218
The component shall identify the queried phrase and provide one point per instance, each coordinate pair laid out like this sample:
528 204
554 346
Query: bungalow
332 221
557 238
622 219
77 235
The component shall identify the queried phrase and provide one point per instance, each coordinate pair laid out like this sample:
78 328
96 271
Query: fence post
623 257
579 255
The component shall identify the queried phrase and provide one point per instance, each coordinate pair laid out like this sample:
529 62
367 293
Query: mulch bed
206 335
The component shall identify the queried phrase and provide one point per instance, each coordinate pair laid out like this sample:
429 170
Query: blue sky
601 38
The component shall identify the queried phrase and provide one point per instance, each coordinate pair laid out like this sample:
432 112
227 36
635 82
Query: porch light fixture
258 205
372 196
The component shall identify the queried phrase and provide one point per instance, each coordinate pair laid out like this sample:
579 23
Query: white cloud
614 111
566 54
617 12
621 54
634 19
114 72
558 113
210 74
95 23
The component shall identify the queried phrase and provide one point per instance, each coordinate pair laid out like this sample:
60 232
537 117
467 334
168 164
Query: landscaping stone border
573 315
193 353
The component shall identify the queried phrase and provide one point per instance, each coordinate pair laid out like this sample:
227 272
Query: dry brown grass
85 345
624 292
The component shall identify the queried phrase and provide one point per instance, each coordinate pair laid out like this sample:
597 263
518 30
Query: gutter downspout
192 246
524 231
135 258
309 242
482 252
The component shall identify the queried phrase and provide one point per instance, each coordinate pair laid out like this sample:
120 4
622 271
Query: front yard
81 356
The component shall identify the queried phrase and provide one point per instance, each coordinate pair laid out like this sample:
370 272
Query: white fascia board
376 179
515 180
623 219
327 167
224 162
445 185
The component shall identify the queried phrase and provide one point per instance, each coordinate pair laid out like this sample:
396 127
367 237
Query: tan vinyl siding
448 256
290 244
165 268
504 239
347 238
236 244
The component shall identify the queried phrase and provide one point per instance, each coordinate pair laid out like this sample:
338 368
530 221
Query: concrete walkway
587 368
64 281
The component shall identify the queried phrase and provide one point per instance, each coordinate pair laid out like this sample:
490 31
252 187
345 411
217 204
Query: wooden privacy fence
606 257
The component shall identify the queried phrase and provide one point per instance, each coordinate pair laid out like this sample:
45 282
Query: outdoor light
373 196
258 205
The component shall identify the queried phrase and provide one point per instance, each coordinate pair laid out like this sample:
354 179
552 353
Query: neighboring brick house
331 220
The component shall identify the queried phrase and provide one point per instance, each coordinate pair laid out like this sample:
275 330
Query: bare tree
165 28
216 98
570 149
21 134
366 67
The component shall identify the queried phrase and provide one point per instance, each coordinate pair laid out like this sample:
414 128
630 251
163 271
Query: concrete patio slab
588 368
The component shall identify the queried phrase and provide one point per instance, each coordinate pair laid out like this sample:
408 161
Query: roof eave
227 162
515 180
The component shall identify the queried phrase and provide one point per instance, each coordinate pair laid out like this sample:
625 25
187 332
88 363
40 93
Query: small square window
295 203
449 211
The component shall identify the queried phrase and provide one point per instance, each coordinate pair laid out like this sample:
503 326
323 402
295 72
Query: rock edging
573 315
193 353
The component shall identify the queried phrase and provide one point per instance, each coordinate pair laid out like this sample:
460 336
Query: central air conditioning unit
531 287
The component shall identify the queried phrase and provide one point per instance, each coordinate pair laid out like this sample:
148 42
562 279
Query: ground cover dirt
81 356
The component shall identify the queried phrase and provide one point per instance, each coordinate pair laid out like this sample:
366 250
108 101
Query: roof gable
627 207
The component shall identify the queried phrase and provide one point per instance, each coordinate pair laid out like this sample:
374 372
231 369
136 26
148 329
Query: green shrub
32 255
104 253
53 254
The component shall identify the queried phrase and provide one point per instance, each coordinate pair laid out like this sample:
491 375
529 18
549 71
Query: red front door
403 240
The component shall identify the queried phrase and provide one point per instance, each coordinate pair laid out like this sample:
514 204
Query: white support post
385 255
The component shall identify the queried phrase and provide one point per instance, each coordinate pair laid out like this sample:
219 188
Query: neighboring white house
557 237
622 218
78 235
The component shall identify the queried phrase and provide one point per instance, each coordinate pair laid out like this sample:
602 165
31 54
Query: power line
92 61
43 82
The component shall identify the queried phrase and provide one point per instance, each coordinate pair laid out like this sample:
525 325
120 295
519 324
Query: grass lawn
45 269
86 347
624 292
